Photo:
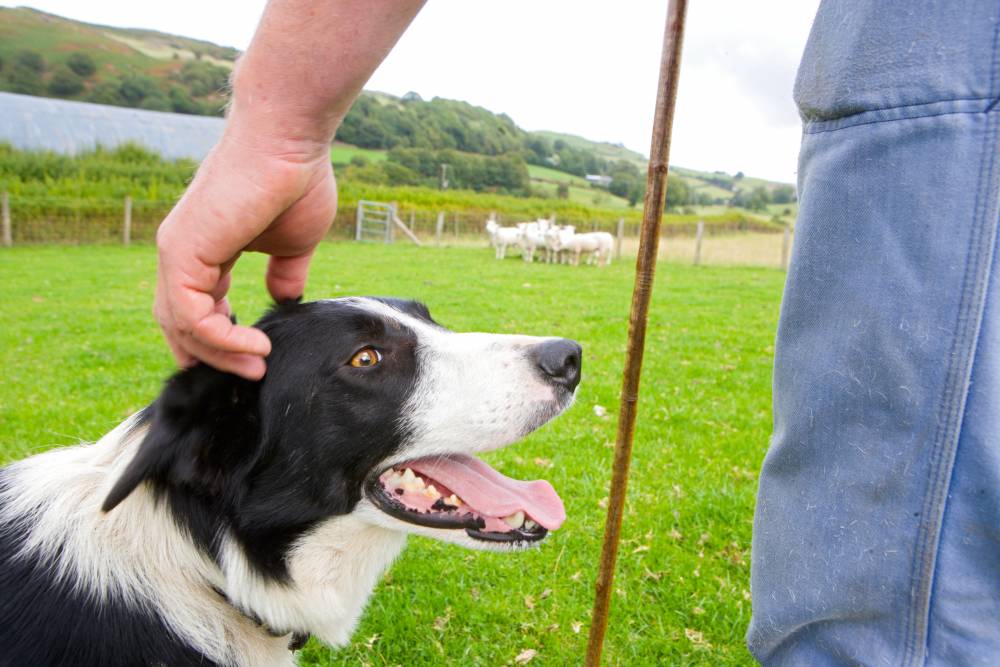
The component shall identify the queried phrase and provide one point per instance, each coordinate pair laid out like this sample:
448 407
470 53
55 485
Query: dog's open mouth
462 492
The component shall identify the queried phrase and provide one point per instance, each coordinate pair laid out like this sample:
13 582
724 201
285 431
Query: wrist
267 108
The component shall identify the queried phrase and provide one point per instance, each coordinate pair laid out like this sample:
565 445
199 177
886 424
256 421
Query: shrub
30 60
65 83
81 64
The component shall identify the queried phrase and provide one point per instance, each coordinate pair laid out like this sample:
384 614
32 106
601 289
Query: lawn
79 352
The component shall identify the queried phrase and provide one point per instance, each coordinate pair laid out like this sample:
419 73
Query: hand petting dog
268 185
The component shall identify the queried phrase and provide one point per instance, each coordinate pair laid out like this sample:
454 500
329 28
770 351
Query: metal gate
374 221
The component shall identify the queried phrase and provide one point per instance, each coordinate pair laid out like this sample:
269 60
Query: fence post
357 223
456 226
439 229
8 240
619 237
699 234
127 227
390 228
785 246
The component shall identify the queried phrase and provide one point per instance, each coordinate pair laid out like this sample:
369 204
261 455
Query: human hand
249 194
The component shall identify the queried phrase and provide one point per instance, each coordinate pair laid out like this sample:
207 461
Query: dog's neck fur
138 553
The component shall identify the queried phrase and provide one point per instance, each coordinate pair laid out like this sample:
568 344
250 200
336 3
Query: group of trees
196 88
757 198
506 174
381 121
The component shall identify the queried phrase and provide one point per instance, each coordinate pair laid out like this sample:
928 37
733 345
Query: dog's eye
366 358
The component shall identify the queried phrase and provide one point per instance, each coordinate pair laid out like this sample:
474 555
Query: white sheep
502 237
555 243
532 237
598 245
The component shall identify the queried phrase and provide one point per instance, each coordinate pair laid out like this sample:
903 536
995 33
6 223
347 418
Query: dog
230 519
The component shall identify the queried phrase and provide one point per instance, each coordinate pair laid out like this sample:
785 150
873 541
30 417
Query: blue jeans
877 528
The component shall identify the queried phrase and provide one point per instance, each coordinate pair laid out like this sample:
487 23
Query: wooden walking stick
645 267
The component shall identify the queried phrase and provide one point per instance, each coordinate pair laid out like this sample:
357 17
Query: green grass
540 173
341 154
547 180
80 352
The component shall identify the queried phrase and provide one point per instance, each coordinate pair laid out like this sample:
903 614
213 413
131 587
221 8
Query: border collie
230 519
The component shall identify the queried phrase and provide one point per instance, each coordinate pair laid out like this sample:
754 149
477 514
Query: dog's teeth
530 525
408 475
454 500
515 520
418 482
431 492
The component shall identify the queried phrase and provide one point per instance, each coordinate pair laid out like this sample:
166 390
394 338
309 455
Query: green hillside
47 55
384 140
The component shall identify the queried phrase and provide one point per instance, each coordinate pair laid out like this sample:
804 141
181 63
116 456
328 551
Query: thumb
286 276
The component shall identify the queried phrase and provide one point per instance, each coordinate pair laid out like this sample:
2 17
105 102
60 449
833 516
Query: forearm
308 61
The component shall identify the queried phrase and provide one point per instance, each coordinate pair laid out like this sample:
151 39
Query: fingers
198 327
286 276
248 366
217 331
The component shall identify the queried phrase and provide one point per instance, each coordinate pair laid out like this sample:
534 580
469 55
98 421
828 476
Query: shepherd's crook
645 268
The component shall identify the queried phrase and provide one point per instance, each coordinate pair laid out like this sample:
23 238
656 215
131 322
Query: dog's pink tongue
492 494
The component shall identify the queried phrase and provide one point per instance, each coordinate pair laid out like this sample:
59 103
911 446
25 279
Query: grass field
80 352
341 154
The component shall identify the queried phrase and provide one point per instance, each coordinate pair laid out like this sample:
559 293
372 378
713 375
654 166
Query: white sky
583 67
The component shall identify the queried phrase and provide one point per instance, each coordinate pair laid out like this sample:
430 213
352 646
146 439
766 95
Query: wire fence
28 220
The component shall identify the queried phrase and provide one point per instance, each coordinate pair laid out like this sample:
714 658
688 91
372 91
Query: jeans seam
963 350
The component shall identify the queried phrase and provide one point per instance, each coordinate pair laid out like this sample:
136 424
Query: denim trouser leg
877 529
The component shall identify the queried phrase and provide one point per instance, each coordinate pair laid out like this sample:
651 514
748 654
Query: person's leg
877 529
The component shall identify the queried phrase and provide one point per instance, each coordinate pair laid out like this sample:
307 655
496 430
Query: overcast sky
577 66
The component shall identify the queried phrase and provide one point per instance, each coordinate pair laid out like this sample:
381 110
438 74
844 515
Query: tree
81 64
106 92
759 199
156 102
783 194
24 80
30 60
678 193
539 148
181 102
65 83
562 190
203 78
135 88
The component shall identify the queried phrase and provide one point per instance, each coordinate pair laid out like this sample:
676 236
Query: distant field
547 180
80 352
538 172
587 195
341 154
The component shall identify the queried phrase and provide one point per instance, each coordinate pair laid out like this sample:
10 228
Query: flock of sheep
558 244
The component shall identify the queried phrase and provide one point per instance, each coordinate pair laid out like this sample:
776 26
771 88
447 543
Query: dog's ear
203 427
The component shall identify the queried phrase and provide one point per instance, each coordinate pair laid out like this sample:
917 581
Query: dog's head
367 404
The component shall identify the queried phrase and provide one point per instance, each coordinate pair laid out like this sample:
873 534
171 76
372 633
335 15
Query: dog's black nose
560 361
